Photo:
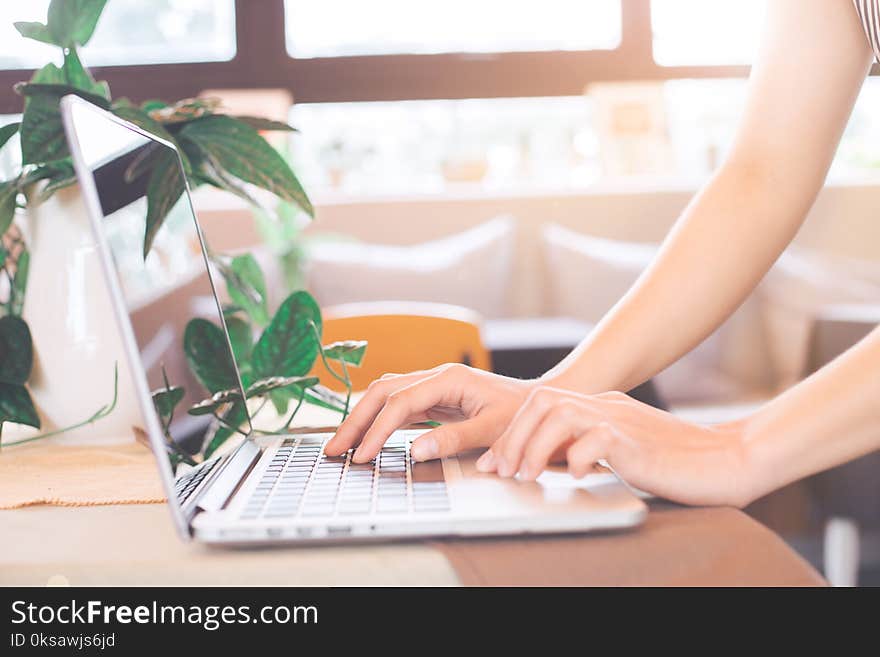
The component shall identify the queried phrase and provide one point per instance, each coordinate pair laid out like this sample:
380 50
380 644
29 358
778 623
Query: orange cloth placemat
78 475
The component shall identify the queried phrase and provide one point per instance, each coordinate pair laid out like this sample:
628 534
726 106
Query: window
131 32
352 27
427 146
705 32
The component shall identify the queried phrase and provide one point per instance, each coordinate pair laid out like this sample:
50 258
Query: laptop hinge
228 478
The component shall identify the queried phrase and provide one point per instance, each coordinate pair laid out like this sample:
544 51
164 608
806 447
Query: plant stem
223 423
10 303
186 458
323 357
261 406
347 389
100 414
299 402
344 379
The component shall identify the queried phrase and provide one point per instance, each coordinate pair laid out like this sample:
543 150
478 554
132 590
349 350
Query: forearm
830 418
806 78
720 248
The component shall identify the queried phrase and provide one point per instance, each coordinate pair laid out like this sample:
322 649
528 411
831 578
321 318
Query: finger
565 422
509 446
452 438
403 406
352 429
586 451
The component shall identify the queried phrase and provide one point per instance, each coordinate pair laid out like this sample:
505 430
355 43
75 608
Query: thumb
452 438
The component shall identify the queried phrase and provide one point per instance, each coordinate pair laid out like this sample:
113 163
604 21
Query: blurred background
520 162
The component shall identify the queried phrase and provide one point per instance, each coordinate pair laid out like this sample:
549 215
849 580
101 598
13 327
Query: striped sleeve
869 14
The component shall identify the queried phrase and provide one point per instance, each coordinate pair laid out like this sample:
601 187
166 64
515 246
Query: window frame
262 61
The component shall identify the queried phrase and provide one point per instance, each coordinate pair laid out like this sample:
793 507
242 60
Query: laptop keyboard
301 481
186 485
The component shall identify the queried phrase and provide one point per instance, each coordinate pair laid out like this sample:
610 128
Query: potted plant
59 349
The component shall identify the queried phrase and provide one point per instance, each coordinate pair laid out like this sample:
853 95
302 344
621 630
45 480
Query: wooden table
131 545
136 544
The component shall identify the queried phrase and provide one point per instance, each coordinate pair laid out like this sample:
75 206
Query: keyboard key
318 510
354 510
429 509
428 472
391 508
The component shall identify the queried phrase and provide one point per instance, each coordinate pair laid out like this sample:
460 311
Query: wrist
753 463
567 379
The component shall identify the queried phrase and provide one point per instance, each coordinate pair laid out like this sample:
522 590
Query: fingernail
525 472
503 469
424 449
357 457
486 462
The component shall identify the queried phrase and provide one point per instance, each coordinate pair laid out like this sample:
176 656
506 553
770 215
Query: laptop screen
139 195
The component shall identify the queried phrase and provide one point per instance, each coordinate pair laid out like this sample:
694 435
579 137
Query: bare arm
830 418
812 62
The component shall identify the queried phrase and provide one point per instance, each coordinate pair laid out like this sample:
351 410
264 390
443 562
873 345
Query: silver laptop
277 488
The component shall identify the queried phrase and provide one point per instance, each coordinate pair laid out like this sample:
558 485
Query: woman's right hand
475 407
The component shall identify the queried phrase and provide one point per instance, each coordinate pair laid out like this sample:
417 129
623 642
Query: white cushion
589 274
470 269
793 293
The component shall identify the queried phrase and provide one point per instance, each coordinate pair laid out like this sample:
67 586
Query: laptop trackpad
555 491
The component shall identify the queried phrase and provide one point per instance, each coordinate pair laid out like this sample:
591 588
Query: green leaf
7 131
72 22
288 346
8 193
207 354
35 31
239 150
57 182
280 400
42 134
241 338
165 188
58 90
184 110
143 120
17 406
77 76
215 402
211 173
153 105
264 386
19 283
236 416
49 74
49 170
166 400
259 123
16 350
350 351
323 397
58 174
247 287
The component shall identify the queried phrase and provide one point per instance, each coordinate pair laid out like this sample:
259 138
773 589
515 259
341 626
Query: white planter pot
75 333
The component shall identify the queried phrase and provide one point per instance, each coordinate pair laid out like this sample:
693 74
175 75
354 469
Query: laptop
276 489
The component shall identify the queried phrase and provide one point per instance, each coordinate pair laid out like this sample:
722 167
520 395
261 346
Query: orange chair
403 337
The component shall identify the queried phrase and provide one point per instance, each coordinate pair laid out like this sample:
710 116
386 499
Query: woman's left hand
649 448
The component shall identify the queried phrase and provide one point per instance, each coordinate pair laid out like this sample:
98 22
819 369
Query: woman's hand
475 407
650 449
